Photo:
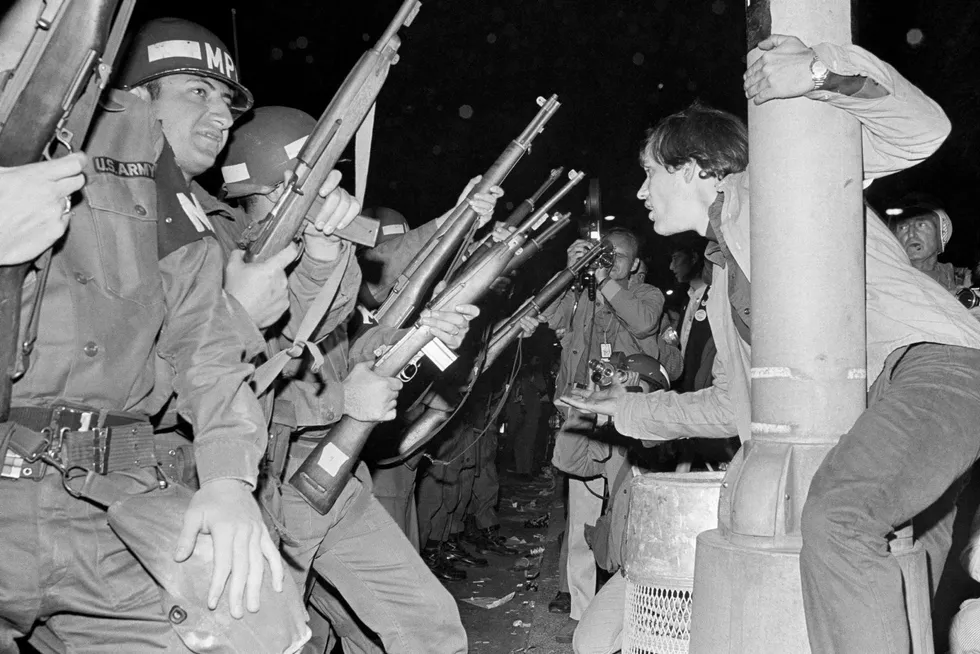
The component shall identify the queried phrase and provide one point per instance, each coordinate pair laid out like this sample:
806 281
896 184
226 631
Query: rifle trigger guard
408 373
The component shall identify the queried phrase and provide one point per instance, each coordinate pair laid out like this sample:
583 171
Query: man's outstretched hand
602 402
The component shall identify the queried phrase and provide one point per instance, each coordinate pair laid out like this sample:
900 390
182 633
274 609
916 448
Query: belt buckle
101 438
52 453
74 418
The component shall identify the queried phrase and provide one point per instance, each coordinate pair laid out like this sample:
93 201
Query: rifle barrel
535 243
524 209
421 273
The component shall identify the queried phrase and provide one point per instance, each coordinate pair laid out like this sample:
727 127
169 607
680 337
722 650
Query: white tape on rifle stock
331 459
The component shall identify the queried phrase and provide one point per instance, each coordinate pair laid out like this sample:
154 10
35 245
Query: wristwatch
818 72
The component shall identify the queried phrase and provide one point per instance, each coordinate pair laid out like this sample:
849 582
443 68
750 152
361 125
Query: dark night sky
617 66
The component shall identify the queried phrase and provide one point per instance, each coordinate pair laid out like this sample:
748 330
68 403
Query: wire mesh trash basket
667 512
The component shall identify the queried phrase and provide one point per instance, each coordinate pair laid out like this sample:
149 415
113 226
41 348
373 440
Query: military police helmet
261 148
649 369
391 224
168 46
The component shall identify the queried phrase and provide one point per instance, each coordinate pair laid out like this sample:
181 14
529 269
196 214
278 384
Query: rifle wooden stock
54 73
421 273
442 402
325 472
333 132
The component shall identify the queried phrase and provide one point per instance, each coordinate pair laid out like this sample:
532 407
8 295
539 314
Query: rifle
513 220
535 243
439 408
46 102
524 209
537 218
323 474
324 147
421 273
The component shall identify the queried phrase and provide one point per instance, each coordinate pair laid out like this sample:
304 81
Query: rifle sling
269 371
33 323
80 118
362 153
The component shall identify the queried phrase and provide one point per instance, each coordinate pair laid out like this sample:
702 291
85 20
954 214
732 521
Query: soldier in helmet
355 546
136 285
394 486
924 232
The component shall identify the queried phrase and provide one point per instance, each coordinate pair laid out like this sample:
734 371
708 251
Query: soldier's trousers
444 491
526 438
360 550
395 489
60 561
482 504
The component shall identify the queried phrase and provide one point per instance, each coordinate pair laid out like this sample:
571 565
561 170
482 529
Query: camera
605 373
969 297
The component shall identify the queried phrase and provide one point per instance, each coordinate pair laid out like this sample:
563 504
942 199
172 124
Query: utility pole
809 379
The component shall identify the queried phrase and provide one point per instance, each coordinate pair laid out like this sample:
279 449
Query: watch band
819 73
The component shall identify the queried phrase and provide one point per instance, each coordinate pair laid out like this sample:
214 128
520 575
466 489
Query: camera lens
969 297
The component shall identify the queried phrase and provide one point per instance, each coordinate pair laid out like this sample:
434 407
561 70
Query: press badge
605 350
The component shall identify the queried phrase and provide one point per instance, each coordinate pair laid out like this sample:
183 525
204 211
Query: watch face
818 68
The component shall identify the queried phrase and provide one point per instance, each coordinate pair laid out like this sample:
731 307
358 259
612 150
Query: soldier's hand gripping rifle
324 147
415 281
46 108
326 470
441 403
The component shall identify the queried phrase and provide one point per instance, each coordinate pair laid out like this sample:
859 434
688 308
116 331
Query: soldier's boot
441 564
456 552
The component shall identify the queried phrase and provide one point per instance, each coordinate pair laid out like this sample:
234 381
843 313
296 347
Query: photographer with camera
624 317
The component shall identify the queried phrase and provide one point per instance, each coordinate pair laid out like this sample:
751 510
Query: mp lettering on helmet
220 61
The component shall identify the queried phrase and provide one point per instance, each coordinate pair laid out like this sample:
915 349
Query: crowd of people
144 493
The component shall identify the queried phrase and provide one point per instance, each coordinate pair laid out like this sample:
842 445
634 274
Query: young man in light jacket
918 434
